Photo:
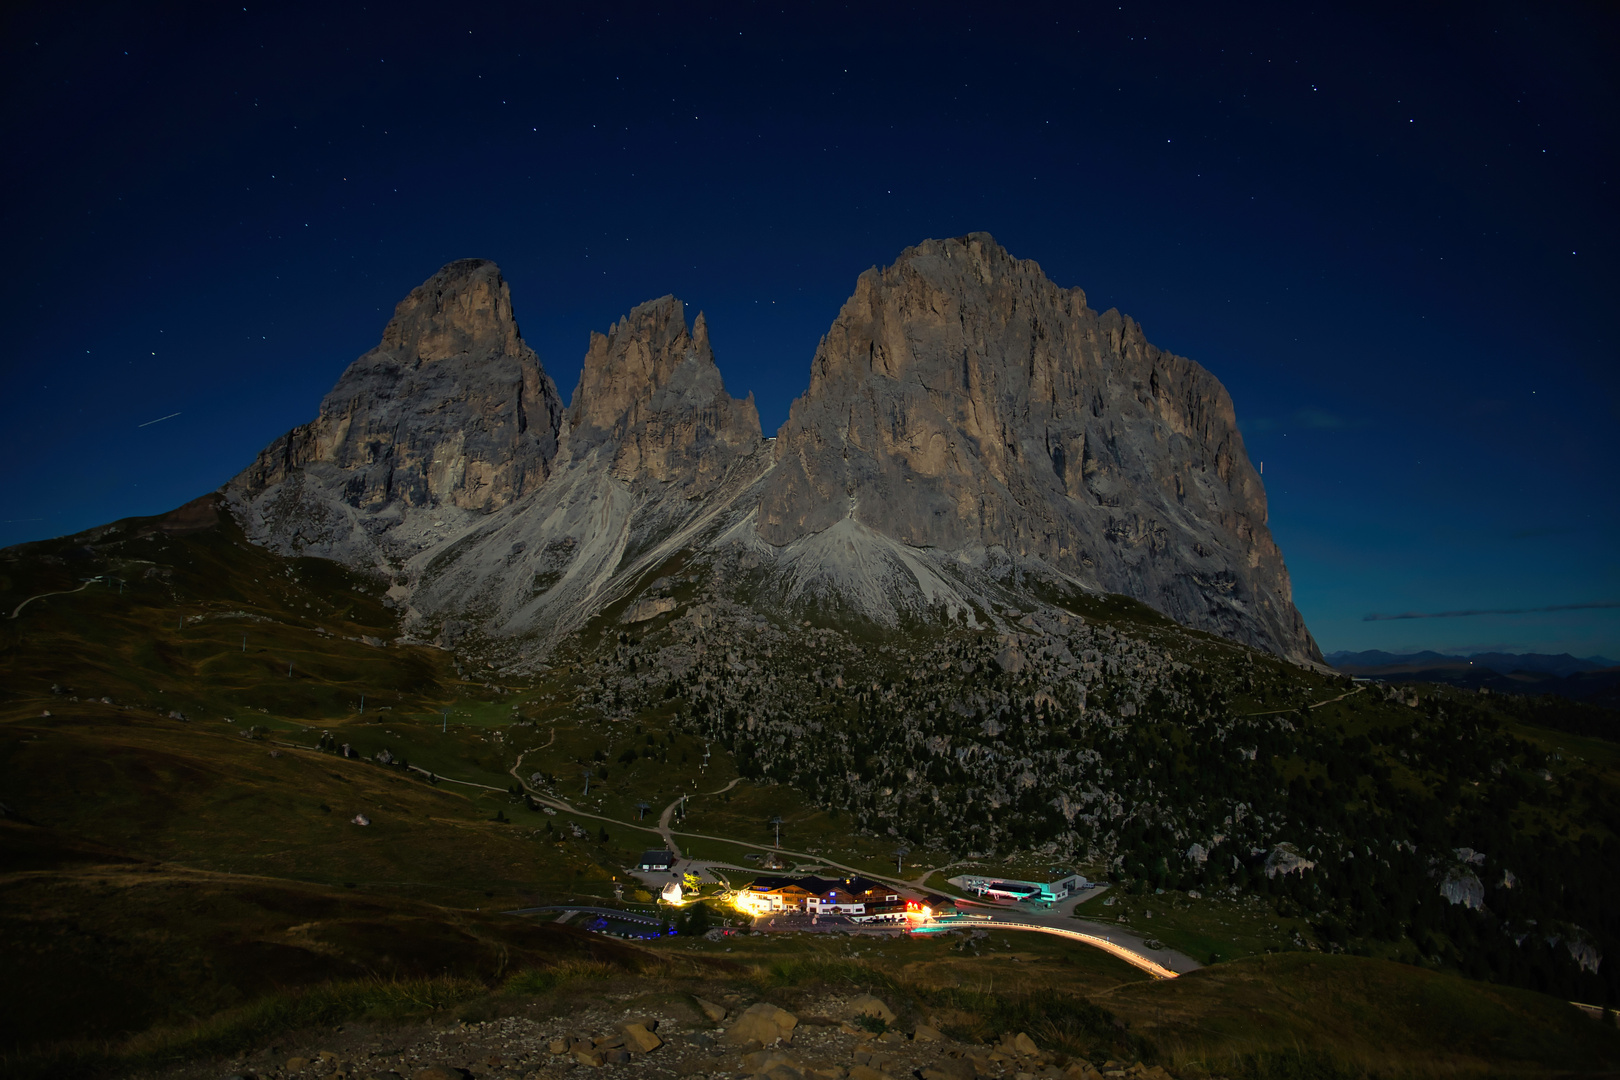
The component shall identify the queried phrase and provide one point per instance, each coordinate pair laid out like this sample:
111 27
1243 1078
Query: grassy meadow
182 872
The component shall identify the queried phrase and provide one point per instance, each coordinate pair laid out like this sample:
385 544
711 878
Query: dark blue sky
1391 233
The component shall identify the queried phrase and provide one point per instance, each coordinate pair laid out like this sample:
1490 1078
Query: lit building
1040 892
853 896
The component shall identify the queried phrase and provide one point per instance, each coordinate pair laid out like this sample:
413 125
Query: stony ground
834 1038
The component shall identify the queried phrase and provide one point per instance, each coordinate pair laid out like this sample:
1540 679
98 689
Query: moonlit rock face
973 439
451 411
1461 886
962 402
1285 859
650 389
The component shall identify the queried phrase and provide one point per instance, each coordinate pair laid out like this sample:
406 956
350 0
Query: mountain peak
962 402
650 390
464 310
451 408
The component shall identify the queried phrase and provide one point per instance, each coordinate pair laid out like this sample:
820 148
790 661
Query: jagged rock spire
650 391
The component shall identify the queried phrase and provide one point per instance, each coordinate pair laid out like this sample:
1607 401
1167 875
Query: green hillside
177 797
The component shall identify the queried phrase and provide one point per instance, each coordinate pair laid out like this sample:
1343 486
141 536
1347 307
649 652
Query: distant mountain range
1591 678
1506 663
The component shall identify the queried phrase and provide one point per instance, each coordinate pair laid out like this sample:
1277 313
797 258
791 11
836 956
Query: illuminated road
1113 948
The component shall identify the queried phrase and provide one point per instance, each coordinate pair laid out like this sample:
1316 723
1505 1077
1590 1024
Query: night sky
1391 234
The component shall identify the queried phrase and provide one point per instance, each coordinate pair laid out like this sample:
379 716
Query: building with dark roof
656 860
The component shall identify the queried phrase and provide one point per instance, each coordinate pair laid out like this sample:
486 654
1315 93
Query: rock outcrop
963 404
653 453
451 409
650 389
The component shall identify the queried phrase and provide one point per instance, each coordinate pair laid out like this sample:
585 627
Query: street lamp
586 773
777 821
900 854
641 810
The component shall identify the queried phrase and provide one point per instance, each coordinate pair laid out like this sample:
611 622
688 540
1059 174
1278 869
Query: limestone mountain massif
975 442
450 410
963 404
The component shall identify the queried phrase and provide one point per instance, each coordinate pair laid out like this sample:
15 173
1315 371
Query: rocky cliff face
450 410
654 453
963 404
650 390
973 438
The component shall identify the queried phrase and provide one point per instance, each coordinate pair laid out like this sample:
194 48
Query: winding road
669 812
1113 948
664 829
1313 705
60 592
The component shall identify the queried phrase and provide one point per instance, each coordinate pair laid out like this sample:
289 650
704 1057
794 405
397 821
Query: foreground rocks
750 1040
835 1038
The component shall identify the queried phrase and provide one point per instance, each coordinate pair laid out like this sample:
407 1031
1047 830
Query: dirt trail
728 787
664 830
43 595
1313 705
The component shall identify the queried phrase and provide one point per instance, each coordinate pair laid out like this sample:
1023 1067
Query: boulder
1019 1045
715 1013
868 1005
648 608
639 1039
763 1062
925 1033
764 1023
